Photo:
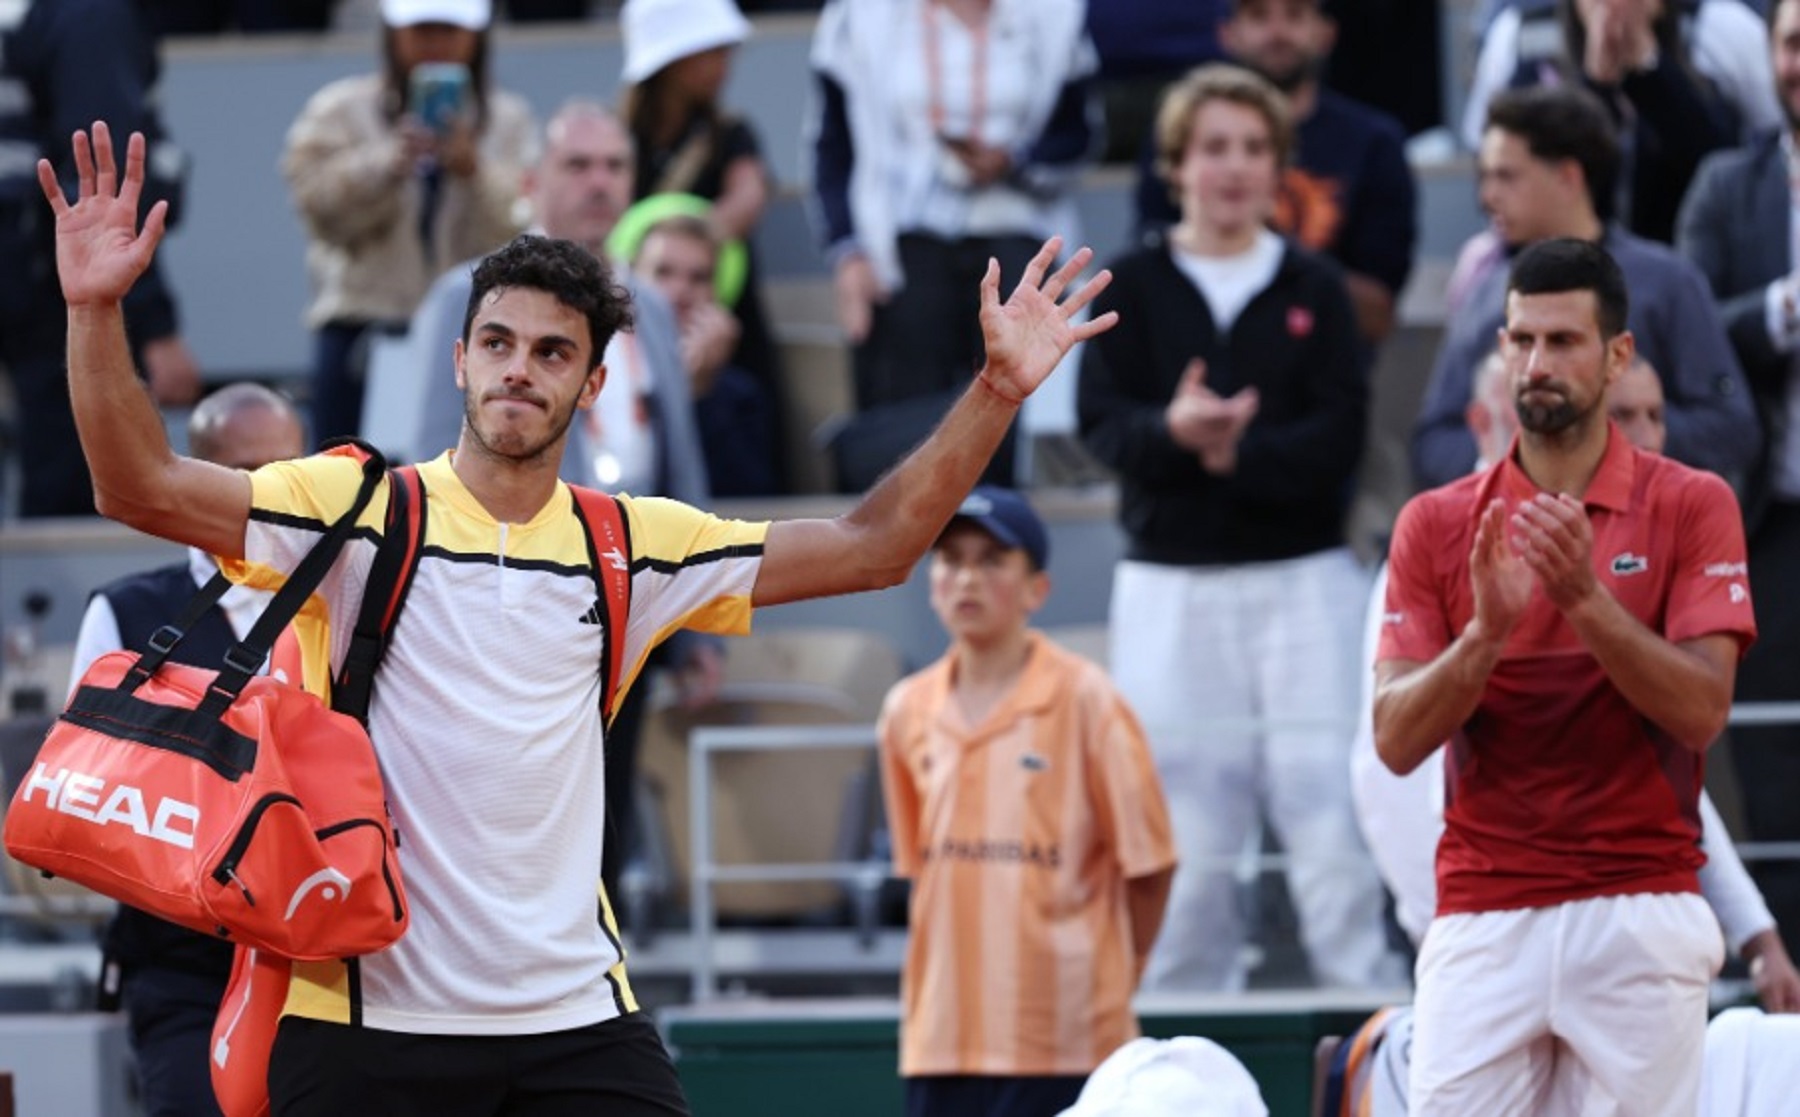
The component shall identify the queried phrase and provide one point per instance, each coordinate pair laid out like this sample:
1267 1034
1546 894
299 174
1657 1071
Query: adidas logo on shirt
592 616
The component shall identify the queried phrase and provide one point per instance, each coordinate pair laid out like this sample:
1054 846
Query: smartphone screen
439 93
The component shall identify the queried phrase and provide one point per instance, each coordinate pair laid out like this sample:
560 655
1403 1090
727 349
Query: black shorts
618 1067
982 1095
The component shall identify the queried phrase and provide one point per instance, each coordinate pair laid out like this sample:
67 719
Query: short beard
1550 419
513 448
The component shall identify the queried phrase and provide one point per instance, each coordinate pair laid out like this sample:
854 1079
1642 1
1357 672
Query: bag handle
164 639
245 658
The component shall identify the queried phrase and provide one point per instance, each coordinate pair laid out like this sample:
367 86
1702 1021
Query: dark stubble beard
512 447
1551 418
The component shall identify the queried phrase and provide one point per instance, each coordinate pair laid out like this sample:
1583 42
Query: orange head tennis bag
225 801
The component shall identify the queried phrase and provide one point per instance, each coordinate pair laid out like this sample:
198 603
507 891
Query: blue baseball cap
1008 517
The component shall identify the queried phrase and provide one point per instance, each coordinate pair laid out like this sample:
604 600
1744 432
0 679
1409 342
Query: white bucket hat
474 15
658 32
1186 1076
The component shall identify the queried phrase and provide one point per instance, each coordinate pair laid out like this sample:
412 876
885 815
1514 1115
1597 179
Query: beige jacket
364 254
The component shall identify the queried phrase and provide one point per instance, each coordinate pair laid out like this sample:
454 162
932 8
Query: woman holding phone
398 175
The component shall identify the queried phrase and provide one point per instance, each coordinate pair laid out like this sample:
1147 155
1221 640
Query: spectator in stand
170 979
390 199
948 133
1679 79
1143 46
1233 403
677 60
64 63
1548 153
639 436
1739 225
1349 192
679 256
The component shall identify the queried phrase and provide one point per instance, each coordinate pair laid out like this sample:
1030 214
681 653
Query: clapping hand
1211 425
1500 578
1552 535
100 251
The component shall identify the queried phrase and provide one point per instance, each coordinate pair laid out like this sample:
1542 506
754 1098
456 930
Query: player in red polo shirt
1570 620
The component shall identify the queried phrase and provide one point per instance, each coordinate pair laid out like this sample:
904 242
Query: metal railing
705 871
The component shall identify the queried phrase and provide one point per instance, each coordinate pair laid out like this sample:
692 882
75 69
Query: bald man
170 979
1635 403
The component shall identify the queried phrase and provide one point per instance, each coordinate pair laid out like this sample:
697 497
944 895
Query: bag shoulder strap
609 549
686 162
397 560
245 657
390 578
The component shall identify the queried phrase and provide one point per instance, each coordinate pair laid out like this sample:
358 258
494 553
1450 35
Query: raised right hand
100 252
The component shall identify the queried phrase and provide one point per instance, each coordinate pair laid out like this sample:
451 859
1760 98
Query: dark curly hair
562 269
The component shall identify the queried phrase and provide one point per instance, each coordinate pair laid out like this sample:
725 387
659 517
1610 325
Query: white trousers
1231 646
1592 1008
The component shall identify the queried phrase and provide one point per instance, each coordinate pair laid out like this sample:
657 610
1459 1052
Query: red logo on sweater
1300 321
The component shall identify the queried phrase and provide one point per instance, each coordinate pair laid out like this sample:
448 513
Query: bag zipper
387 875
226 873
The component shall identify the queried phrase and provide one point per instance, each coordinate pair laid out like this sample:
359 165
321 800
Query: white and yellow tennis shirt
486 720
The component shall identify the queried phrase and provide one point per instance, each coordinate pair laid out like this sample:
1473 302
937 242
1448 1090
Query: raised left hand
1029 333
